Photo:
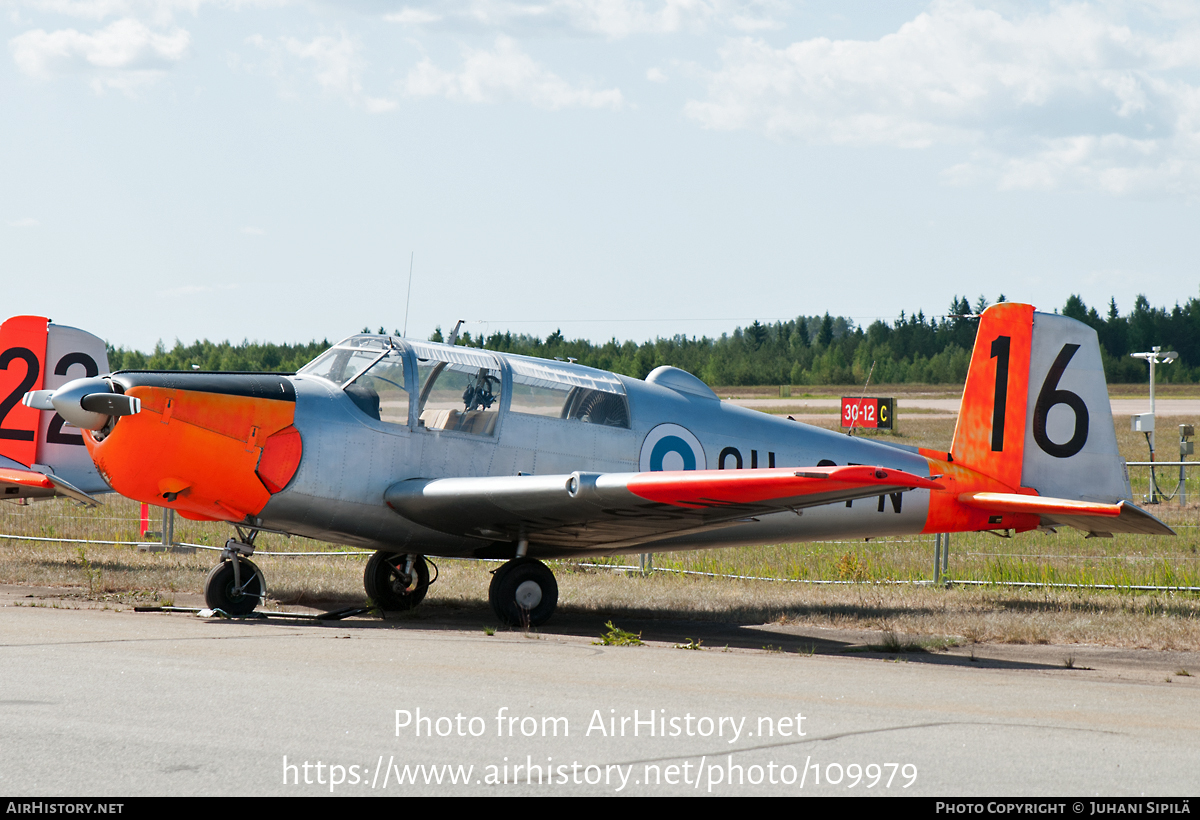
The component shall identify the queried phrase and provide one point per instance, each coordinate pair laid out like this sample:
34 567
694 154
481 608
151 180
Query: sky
272 170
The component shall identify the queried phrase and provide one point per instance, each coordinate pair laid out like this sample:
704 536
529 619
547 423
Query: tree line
808 350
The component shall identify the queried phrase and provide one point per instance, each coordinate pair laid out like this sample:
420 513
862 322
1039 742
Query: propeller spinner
88 403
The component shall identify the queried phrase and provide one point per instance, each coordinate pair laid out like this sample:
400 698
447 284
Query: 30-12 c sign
864 411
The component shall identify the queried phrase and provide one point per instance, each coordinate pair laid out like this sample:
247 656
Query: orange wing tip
688 488
1036 505
26 478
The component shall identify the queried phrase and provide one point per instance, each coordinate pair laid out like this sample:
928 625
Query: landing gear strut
396 582
523 592
236 586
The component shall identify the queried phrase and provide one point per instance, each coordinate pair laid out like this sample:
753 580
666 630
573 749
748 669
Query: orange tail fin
1035 411
990 435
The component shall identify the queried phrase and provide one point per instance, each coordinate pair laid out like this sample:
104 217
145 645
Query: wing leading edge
616 510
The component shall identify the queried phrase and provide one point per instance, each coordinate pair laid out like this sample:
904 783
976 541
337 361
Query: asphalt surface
116 703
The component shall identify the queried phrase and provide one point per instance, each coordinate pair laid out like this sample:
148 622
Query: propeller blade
111 404
38 399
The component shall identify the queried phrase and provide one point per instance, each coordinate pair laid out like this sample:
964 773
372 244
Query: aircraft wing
616 510
1089 516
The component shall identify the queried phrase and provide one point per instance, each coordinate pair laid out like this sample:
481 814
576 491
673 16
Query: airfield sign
862 411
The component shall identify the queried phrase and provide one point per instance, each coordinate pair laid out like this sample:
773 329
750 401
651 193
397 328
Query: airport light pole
1154 356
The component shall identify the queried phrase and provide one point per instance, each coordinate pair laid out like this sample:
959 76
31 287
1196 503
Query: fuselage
314 453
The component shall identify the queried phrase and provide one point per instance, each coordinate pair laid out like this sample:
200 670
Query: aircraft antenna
850 432
408 299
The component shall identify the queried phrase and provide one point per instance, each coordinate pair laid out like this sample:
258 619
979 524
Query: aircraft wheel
523 592
220 592
389 587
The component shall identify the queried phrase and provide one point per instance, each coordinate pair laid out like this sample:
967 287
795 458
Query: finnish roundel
671 447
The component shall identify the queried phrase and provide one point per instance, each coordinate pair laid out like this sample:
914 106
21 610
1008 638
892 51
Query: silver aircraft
417 449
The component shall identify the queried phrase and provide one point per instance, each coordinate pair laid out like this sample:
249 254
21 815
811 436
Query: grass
619 637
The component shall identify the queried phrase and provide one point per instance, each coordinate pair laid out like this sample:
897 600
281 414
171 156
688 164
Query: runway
116 703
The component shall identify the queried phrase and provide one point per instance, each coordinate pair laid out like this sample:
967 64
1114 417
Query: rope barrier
629 568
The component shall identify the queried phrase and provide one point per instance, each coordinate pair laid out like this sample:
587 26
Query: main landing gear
523 592
396 582
236 586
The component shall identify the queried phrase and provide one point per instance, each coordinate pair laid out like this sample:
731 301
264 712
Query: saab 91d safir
417 449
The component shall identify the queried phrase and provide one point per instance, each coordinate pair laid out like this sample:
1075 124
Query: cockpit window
460 389
379 391
347 358
567 391
371 372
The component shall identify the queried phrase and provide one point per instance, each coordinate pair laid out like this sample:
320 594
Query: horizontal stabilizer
25 478
1089 516
70 491
18 481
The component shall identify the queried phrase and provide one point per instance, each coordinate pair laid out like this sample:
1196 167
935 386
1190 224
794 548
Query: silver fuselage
350 460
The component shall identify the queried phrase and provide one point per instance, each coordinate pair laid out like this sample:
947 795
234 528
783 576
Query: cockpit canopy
567 391
461 388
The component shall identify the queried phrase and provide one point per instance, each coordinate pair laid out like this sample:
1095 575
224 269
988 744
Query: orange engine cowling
211 446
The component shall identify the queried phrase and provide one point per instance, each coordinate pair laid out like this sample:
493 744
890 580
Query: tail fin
36 354
1035 411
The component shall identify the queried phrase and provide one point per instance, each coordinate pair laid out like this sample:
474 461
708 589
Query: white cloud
158 12
27 222
124 54
605 18
1073 95
250 230
336 64
413 17
505 72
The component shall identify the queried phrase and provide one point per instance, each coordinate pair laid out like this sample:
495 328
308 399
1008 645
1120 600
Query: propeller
86 403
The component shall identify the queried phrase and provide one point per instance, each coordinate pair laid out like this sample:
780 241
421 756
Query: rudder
1071 444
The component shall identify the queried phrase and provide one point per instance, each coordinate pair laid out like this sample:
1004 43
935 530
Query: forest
808 350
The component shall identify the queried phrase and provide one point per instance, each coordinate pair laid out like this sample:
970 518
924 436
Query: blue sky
264 169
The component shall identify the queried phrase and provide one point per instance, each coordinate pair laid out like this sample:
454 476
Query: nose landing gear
236 586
